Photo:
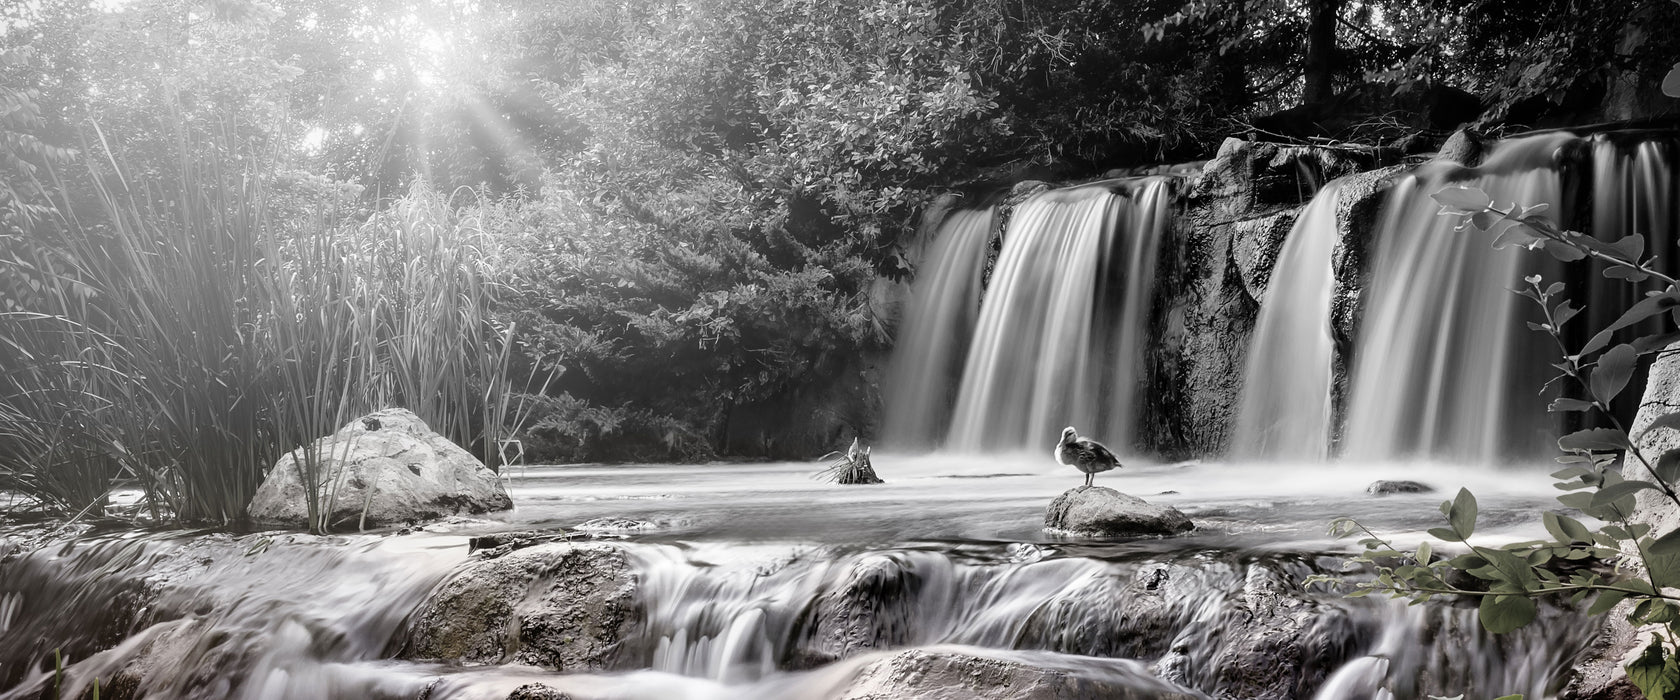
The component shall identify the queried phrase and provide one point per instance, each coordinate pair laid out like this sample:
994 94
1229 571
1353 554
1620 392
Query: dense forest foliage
678 212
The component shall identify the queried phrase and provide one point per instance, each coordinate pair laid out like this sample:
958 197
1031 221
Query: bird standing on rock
1087 455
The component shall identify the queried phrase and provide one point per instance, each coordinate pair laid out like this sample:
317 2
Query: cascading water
1059 337
307 617
1287 409
257 618
938 326
1444 367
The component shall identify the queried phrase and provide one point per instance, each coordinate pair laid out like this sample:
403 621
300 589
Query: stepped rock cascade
1059 339
289 616
301 617
1444 367
937 328
1287 405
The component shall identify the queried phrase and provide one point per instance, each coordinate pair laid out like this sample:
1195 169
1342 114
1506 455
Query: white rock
388 465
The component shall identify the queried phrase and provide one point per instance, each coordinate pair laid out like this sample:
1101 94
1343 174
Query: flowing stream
755 581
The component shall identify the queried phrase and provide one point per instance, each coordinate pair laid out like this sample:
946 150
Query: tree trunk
1321 50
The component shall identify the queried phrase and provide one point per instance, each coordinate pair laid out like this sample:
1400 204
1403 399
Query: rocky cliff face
1213 278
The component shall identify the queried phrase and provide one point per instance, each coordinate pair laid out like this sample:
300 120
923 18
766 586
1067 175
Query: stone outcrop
1214 272
1098 511
957 674
871 610
560 606
385 468
1600 676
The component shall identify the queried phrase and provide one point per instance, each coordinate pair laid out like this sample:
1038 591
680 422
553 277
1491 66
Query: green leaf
1667 545
1503 613
1663 567
1462 515
1565 528
1629 248
1615 366
1511 236
1625 273
1459 199
1563 405
1605 601
1594 440
1611 493
1563 251
1654 673
1653 343
1643 309
1423 553
1443 534
1667 467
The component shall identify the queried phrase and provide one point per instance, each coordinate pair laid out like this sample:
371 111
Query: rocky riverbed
755 581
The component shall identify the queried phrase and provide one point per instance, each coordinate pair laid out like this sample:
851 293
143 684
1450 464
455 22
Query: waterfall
938 326
737 620
1444 366
1286 410
1059 336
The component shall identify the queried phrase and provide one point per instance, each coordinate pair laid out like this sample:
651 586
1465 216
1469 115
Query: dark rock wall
1214 271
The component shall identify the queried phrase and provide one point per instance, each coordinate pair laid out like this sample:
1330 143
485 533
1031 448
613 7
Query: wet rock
872 609
386 468
1254 249
1213 273
1464 147
537 691
559 606
1266 641
1098 511
1384 487
953 674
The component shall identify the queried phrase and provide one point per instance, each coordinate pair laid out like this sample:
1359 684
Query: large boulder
1600 676
956 674
561 606
872 607
385 468
1097 511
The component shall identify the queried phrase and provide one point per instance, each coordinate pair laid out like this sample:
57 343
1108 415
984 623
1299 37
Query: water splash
1287 410
1059 336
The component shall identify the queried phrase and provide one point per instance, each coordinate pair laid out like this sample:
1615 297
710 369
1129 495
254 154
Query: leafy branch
1620 561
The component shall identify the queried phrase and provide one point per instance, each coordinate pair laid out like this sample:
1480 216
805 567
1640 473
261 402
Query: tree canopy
699 195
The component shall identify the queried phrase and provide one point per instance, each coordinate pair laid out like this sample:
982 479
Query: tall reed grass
174 334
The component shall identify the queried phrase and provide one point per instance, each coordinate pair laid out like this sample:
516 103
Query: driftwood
853 467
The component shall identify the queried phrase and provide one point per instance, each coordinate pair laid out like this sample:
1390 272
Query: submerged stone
1097 511
382 469
954 674
1384 487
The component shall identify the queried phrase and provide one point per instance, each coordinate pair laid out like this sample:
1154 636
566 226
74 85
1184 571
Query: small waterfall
1633 193
1059 336
1287 410
253 618
1190 618
938 326
1444 367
